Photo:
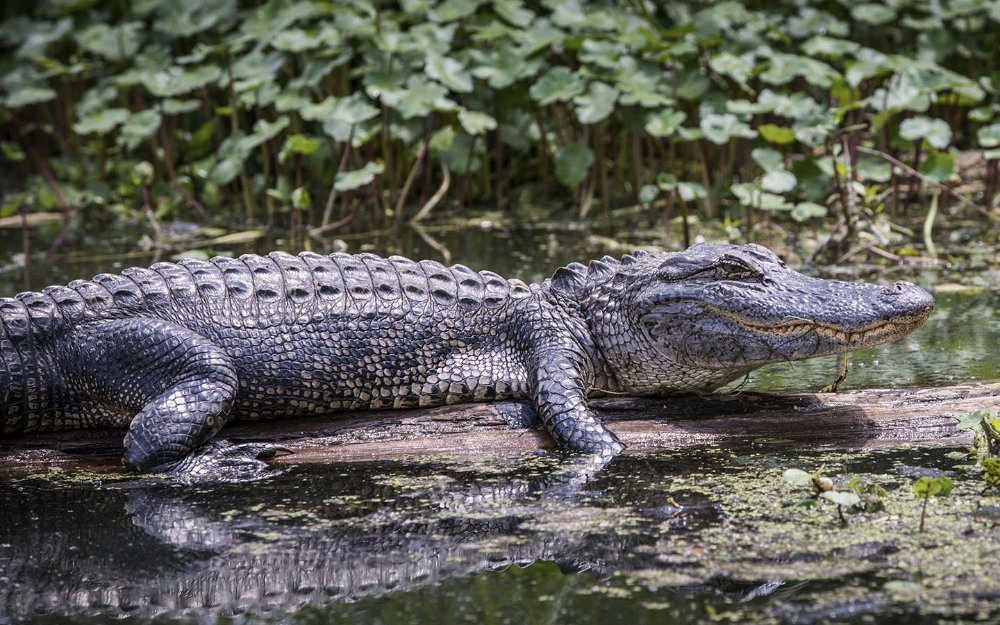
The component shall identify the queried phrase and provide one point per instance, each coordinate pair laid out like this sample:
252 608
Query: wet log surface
862 419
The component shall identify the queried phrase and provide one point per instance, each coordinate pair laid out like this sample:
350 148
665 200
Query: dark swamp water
674 536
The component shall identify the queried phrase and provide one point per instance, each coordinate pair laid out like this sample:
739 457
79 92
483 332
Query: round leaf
842 498
349 180
935 131
778 135
572 163
559 84
476 123
596 104
778 181
722 128
665 122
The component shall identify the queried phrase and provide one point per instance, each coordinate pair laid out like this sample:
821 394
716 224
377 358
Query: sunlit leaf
665 122
873 13
559 84
448 72
177 81
804 211
421 97
768 158
778 181
116 43
350 180
101 122
779 135
935 131
989 136
597 104
476 123
842 498
721 128
138 127
29 95
797 477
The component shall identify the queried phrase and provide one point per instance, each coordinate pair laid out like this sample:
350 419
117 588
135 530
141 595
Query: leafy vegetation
303 112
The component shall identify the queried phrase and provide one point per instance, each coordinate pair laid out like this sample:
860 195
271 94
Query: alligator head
692 321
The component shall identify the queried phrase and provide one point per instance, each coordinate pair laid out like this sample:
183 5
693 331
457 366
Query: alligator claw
222 461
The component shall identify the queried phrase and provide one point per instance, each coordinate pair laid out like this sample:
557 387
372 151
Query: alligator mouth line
861 335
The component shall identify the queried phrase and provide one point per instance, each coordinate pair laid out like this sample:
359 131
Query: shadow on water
666 537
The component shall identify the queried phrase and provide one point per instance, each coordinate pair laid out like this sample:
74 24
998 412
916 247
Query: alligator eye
734 268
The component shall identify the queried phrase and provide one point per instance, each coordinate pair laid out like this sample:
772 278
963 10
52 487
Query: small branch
942 187
437 197
332 198
408 184
317 233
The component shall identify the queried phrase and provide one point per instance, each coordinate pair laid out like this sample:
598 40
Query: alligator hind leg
180 386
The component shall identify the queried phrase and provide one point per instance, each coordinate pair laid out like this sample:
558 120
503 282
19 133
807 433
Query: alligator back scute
329 282
385 279
71 305
179 281
42 311
268 298
358 284
412 281
236 276
496 289
208 282
97 298
152 285
441 283
300 295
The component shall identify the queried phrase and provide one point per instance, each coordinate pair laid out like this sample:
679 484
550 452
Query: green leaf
559 84
779 135
736 67
975 418
989 136
101 122
476 123
301 200
176 81
938 166
451 10
421 98
804 211
514 12
721 128
29 95
935 131
117 43
442 139
665 122
139 127
349 180
927 486
597 104
797 477
448 72
842 498
171 106
873 13
648 193
751 195
295 41
298 144
778 181
572 163
768 158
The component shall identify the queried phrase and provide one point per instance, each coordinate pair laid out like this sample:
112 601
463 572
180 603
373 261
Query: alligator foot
519 414
222 461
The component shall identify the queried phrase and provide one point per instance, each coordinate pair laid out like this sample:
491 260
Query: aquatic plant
736 110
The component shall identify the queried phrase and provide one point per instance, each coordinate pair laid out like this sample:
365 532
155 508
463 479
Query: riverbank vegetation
876 122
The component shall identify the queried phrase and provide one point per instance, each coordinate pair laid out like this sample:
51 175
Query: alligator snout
907 298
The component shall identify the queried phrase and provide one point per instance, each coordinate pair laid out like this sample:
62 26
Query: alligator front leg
180 386
559 381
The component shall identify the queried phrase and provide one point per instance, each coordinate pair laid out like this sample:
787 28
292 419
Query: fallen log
853 419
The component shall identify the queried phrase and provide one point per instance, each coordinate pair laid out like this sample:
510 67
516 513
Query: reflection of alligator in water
152 548
172 350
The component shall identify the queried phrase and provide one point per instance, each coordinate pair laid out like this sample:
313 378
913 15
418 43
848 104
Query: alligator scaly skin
187 345
175 351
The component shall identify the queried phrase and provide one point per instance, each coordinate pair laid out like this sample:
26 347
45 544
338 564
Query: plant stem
923 514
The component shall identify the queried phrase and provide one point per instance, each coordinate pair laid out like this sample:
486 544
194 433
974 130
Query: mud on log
868 418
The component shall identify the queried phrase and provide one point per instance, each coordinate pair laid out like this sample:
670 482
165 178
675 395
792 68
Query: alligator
175 351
